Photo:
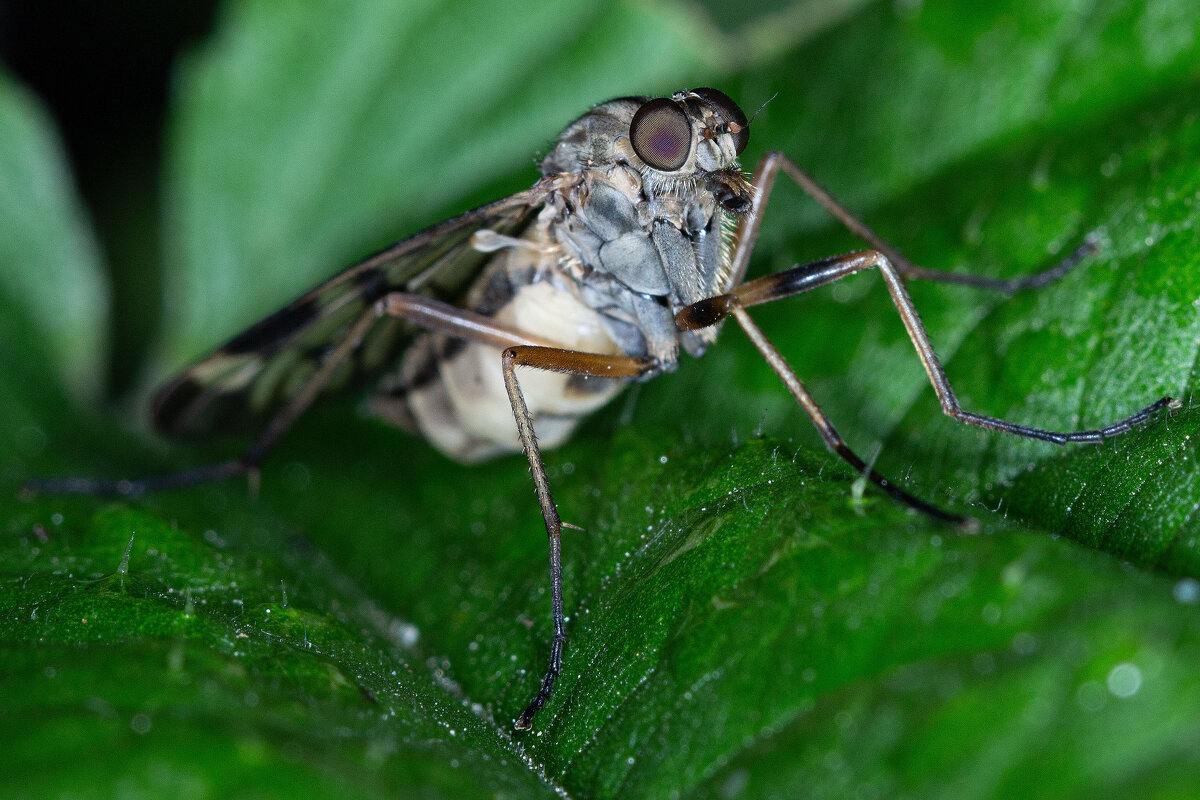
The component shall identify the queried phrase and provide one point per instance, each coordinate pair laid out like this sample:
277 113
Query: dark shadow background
103 71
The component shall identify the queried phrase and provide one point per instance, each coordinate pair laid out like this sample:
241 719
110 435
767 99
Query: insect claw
1095 240
253 481
969 525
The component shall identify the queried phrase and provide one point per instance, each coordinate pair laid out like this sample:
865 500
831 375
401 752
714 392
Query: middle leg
806 277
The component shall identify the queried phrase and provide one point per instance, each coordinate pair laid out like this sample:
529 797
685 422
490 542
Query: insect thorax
640 244
608 261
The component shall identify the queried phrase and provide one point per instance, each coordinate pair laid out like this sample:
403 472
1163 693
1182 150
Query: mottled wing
258 369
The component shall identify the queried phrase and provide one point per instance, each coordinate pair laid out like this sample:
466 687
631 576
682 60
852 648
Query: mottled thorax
645 226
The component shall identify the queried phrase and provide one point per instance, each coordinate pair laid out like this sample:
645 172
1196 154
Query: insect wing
257 370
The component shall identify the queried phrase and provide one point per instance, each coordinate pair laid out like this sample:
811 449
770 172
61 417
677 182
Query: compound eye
731 112
661 134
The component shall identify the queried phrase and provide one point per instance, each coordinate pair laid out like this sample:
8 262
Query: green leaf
344 127
51 285
1128 332
744 621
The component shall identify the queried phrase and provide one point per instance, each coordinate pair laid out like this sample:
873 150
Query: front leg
570 362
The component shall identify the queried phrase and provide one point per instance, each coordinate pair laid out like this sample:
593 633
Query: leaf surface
745 620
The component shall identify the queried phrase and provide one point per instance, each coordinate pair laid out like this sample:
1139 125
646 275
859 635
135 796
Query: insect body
631 248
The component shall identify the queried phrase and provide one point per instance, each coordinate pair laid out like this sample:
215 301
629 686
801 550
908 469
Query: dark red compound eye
731 112
661 134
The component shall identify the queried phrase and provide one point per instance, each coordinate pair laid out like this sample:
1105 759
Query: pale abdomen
453 394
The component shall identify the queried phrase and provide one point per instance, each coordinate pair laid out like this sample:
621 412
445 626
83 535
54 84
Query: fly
630 248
